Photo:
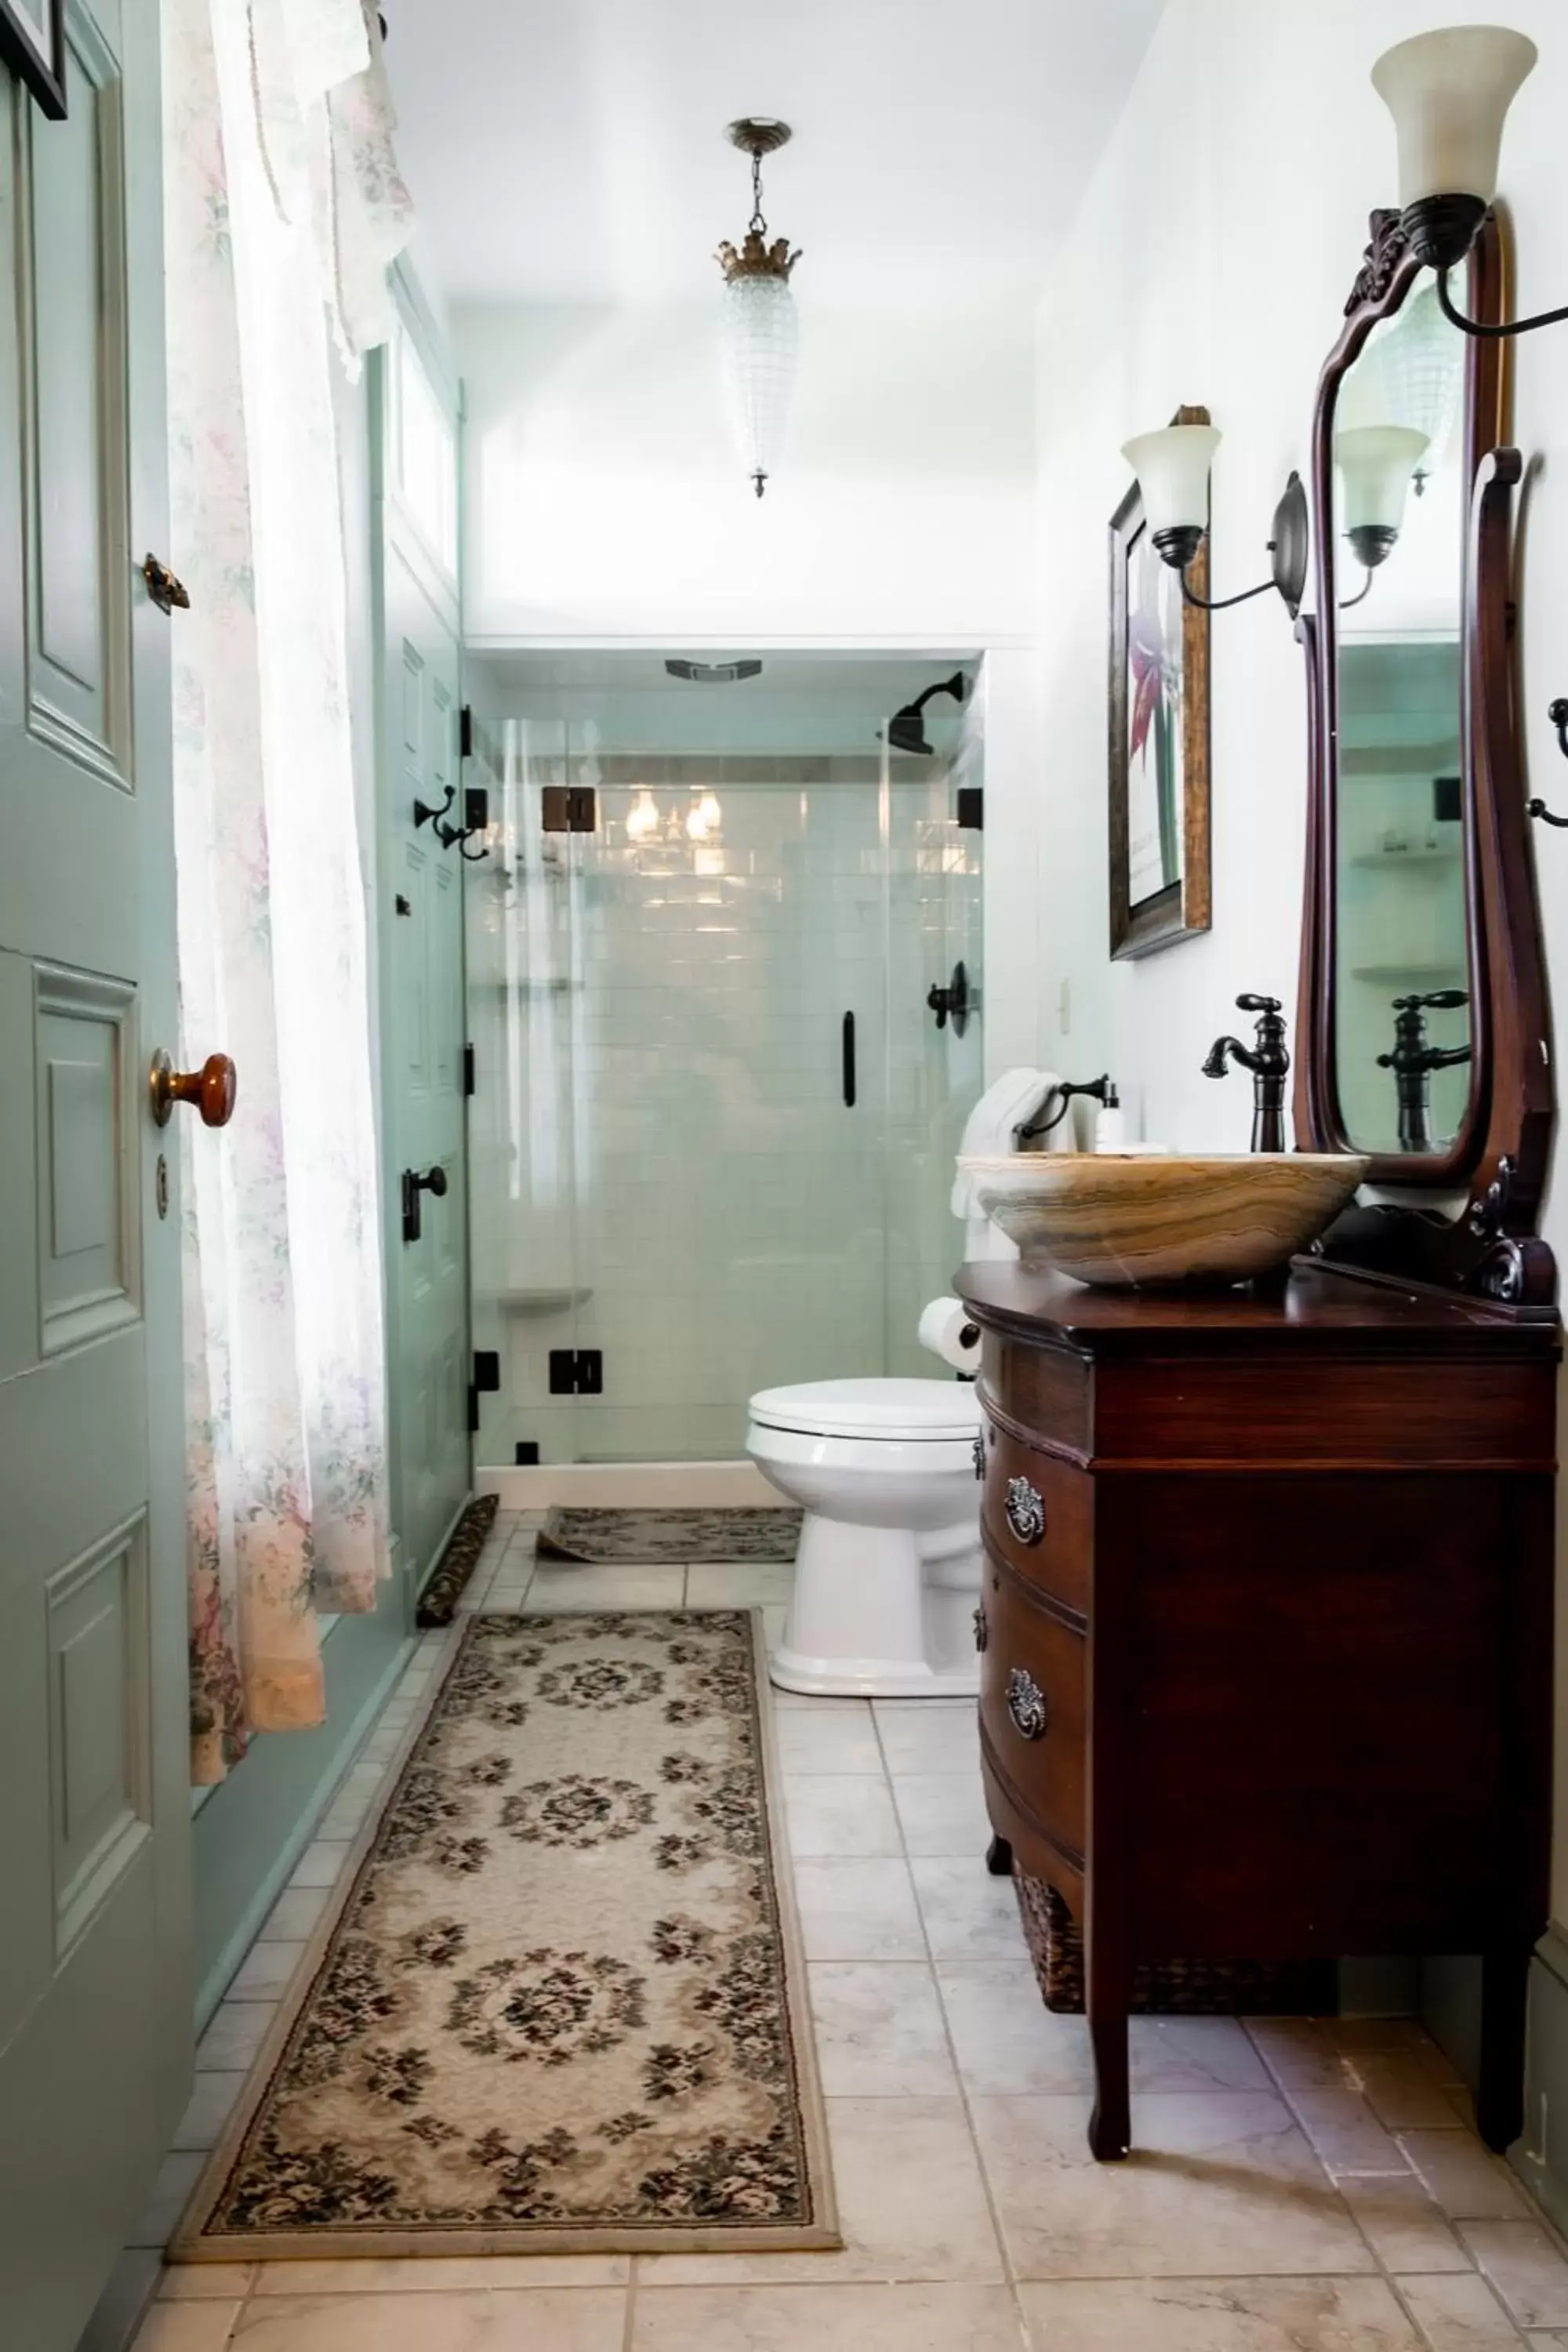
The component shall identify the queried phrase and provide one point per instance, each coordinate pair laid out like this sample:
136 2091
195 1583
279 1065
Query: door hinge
486 1368
465 733
473 1410
570 808
970 809
576 1371
468 1070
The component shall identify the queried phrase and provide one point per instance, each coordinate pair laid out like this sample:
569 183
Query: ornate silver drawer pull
979 1453
1026 1511
1026 1705
982 1630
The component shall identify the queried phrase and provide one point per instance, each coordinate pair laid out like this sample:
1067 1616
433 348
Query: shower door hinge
473 1410
576 1371
971 810
570 808
468 1078
465 732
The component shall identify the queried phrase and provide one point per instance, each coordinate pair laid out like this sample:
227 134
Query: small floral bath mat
562 2008
641 1537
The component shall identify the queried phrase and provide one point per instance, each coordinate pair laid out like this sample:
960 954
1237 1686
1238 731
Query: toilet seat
897 1411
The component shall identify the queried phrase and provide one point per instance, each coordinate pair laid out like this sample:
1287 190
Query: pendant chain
756 221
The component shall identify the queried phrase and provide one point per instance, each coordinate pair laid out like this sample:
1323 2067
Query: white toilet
888 1574
886 1577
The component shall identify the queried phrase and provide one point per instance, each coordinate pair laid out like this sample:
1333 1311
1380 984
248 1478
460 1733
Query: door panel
95 2005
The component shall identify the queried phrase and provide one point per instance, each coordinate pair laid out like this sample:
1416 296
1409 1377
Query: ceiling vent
713 673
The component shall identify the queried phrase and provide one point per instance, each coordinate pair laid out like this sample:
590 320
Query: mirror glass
1402 1030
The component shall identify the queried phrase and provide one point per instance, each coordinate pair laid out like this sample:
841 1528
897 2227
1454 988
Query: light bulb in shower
642 818
703 818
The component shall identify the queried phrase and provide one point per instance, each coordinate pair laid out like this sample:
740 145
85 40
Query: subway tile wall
662 1163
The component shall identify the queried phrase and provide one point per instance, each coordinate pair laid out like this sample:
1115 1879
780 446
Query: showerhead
906 727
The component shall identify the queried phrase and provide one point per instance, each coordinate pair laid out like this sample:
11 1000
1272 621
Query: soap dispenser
1109 1127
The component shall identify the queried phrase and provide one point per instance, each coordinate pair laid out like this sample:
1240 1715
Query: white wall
1210 263
605 497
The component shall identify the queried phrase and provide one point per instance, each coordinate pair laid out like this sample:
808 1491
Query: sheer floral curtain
282 209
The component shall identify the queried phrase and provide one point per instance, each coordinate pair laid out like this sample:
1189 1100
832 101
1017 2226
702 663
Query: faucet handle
1250 1004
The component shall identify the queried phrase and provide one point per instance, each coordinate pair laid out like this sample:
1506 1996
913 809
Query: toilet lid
907 1409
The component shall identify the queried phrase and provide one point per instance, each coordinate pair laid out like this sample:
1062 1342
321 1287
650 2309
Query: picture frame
32 44
1158 738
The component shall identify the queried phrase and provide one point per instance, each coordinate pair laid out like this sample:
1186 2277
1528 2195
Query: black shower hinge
576 1371
473 1410
465 732
468 1077
486 1368
971 810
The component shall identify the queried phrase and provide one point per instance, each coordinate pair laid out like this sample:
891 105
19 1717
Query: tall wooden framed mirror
1423 1024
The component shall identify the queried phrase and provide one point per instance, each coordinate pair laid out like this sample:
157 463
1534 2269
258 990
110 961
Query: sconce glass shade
1173 470
761 336
1448 92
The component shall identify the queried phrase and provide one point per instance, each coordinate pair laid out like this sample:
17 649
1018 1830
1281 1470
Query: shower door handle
848 1061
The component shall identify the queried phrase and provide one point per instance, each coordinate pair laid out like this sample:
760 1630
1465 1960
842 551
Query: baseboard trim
629 1485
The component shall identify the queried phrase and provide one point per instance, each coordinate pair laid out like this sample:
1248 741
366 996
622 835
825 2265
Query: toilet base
881 1613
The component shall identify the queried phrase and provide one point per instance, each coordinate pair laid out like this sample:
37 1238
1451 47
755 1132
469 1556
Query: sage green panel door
95 1995
423 943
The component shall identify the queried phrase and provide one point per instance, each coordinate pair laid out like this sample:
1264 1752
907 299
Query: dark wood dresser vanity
1267 1618
1267 1613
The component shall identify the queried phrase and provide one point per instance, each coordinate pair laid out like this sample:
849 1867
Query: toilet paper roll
945 1330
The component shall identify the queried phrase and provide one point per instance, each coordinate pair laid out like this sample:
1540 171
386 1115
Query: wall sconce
1449 93
1377 464
1173 470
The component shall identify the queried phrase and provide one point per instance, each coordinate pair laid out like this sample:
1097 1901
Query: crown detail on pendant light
759 326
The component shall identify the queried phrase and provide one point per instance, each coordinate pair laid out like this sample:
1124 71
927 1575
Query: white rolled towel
945 1330
1008 1104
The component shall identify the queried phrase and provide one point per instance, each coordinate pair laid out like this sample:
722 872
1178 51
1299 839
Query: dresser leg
1110 2125
999 1858
1499 2096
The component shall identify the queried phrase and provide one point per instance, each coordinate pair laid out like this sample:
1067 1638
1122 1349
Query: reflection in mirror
1403 1034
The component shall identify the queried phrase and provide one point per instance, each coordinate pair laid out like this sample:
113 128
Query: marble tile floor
1297 2186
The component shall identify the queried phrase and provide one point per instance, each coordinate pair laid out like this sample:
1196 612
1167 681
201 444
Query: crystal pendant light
1411 372
758 323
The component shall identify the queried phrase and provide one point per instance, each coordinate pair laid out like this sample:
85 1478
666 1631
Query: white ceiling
573 151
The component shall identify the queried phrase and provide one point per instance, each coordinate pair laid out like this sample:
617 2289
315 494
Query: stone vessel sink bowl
1127 1222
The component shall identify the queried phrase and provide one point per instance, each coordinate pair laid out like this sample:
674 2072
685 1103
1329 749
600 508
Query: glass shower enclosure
714 1117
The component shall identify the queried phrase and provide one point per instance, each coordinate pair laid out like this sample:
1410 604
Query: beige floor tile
187 2327
1245 2315
211 2101
563 1589
791 1700
1406 2033
1469 2183
1345 2133
1004 2038
840 1813
911 2205
1402 2091
265 1971
773 1627
1194 2053
320 1864
968 1914
1406 2227
1547 2339
879 2031
1526 2268
1297 2051
943 1813
206 2281
177 2177
237 2032
928 1735
1220 2183
559 2319
738 1583
819 1739
1459 2315
927 2318
444 2274
853 1909
296 1915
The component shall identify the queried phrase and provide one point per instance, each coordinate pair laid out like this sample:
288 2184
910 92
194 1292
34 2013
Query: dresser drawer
1032 1705
1039 1514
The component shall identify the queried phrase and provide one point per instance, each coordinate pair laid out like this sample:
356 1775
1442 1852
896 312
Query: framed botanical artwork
1158 710
32 44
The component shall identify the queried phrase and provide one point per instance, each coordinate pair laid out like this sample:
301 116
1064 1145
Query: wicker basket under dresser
1266 1628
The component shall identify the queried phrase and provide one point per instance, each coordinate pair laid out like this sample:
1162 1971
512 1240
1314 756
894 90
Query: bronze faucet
1268 1059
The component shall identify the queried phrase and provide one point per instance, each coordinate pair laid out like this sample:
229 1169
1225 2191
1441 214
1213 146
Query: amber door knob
213 1088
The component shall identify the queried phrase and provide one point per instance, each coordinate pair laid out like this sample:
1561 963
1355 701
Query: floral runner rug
562 2007
438 1602
646 1537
